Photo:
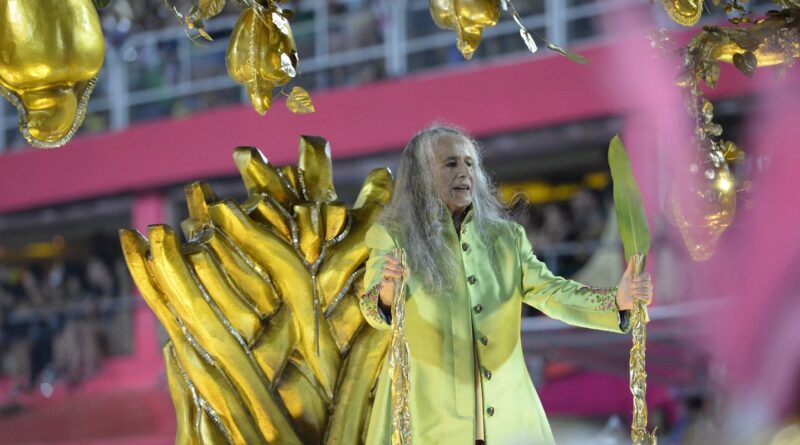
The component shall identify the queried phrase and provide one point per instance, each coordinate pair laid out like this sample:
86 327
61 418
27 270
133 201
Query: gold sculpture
50 54
467 18
267 343
684 12
702 202
261 53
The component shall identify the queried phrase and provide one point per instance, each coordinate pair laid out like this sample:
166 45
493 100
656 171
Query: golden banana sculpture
50 54
267 343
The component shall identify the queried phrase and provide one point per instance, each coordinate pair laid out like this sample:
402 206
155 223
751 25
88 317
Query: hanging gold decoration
50 54
702 200
684 12
772 40
530 42
399 363
703 205
267 342
261 53
467 18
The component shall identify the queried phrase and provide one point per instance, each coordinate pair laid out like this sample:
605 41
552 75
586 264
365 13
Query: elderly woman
469 270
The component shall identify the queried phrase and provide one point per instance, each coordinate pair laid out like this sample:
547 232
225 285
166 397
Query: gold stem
638 385
399 361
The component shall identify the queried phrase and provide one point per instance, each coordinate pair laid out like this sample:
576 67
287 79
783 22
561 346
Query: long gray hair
418 216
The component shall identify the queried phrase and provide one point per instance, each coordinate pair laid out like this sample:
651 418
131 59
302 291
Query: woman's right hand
392 270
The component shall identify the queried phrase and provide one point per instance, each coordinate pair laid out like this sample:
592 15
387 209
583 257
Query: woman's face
454 172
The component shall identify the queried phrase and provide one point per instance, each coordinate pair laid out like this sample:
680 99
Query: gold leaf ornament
50 54
467 18
261 53
299 101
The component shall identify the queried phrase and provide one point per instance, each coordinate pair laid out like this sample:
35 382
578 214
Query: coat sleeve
379 242
566 300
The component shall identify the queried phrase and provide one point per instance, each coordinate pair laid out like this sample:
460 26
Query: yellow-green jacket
482 308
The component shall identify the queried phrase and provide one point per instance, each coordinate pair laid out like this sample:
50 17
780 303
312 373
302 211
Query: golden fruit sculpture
50 54
467 18
261 53
267 343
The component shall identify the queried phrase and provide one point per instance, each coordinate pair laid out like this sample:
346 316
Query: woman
469 270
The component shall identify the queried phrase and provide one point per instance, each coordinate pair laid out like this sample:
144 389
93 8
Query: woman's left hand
633 287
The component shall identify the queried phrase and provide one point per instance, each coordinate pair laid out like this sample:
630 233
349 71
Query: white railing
162 73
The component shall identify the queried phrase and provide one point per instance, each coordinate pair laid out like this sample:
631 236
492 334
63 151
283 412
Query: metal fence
162 73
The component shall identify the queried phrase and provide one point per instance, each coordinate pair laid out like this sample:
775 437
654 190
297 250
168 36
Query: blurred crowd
59 318
352 51
565 233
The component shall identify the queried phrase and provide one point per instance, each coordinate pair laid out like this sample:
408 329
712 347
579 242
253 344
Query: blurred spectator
565 234
59 317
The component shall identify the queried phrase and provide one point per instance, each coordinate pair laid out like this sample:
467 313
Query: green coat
483 308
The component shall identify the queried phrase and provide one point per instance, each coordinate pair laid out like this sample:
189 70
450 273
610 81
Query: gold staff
398 360
635 237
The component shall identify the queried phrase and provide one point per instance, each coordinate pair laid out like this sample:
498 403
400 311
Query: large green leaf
628 202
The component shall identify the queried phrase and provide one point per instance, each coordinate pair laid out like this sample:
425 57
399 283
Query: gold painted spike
291 175
136 249
209 432
224 293
345 317
260 177
178 284
267 213
308 410
335 216
273 348
684 12
198 195
362 368
213 390
346 256
182 400
315 162
309 223
253 282
377 188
